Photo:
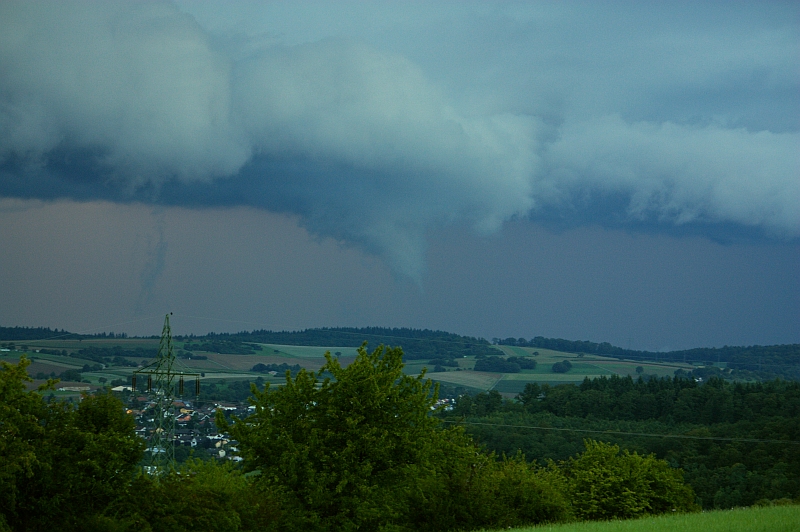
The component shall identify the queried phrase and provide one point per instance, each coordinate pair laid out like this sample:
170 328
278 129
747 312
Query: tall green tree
20 436
359 450
60 465
340 450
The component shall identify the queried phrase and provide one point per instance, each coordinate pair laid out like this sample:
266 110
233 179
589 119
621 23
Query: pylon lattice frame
161 447
162 442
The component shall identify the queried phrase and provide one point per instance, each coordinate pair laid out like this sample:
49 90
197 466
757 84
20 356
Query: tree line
45 333
416 343
232 347
504 365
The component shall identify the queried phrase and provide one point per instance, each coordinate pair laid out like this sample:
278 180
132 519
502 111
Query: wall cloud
136 101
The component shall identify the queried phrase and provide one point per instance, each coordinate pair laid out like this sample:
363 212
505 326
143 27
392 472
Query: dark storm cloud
374 146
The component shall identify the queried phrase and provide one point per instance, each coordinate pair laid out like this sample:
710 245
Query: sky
620 171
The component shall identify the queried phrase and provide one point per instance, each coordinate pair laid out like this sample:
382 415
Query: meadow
583 366
754 519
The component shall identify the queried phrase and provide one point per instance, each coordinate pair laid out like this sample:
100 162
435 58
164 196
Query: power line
623 433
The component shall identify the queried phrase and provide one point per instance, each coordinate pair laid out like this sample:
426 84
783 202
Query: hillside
763 361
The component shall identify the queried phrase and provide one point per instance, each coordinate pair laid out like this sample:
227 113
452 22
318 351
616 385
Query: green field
583 366
766 519
469 379
302 351
237 367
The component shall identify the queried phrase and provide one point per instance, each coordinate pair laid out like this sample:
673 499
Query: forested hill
767 361
416 343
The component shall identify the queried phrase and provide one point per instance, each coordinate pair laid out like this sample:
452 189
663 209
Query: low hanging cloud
679 175
137 102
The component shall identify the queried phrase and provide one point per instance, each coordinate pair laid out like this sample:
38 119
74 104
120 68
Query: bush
496 364
606 484
515 493
562 367
200 496
523 362
70 375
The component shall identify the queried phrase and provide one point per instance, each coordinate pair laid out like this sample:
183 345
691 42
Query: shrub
606 484
496 364
523 362
562 367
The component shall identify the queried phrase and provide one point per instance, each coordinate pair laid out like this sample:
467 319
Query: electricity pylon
162 441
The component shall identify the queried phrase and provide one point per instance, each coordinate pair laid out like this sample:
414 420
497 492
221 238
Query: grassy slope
767 519
582 367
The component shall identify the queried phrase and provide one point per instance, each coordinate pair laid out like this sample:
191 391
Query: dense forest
737 443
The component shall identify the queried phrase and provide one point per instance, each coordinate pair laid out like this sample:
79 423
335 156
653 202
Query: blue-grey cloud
531 111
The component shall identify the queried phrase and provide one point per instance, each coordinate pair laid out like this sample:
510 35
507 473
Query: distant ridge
777 360
768 361
21 334
28 333
416 343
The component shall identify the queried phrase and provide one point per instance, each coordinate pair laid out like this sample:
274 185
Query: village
195 431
